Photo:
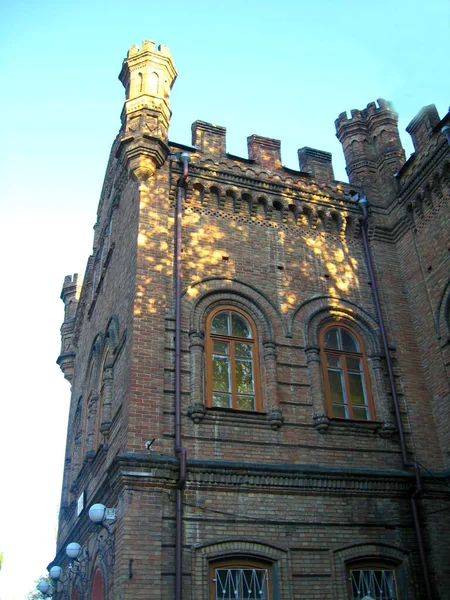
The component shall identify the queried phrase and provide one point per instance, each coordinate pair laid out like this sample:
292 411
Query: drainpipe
182 157
363 204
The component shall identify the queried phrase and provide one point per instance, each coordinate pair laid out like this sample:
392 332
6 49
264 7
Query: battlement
148 71
147 46
208 138
422 126
372 148
362 116
265 151
71 286
316 162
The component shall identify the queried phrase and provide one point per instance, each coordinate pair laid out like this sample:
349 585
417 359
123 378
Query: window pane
221 324
240 327
349 343
353 364
333 361
221 347
245 402
357 395
221 374
222 400
244 377
361 413
243 350
339 411
331 339
336 387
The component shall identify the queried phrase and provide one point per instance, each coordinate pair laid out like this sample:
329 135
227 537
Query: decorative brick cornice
155 469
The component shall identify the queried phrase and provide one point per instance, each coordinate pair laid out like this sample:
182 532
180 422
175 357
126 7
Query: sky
282 69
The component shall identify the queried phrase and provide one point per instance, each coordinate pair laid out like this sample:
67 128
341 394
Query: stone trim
301 480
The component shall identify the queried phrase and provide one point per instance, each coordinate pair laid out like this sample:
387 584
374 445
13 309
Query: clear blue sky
279 69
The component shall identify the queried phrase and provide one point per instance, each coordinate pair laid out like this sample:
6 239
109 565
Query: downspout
363 204
183 157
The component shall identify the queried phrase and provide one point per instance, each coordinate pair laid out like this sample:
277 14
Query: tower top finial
148 71
148 74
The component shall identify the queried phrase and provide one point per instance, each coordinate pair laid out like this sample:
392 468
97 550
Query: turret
70 295
147 75
372 149
422 126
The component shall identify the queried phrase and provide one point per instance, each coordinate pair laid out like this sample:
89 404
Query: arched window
232 361
345 372
104 391
241 577
373 579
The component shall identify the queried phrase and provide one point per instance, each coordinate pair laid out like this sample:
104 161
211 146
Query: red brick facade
305 495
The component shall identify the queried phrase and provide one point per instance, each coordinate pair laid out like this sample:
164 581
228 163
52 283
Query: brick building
286 347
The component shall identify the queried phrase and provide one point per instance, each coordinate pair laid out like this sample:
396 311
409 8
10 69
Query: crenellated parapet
266 152
372 149
264 155
316 162
209 139
422 127
424 180
70 295
148 74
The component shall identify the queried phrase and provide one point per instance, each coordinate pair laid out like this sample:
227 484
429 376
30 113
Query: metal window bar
373 584
242 584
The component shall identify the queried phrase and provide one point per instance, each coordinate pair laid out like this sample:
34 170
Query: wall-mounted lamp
45 589
98 514
76 572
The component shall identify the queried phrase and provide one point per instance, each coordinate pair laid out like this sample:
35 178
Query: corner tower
148 75
372 148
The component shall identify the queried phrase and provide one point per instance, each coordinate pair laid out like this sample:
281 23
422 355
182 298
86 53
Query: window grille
373 584
241 584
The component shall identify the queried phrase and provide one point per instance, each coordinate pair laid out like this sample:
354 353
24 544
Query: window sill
336 425
215 414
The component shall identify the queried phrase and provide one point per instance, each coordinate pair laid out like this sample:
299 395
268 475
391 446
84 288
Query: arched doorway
97 586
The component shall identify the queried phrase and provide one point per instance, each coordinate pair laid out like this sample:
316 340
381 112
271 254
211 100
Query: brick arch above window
203 296
311 315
